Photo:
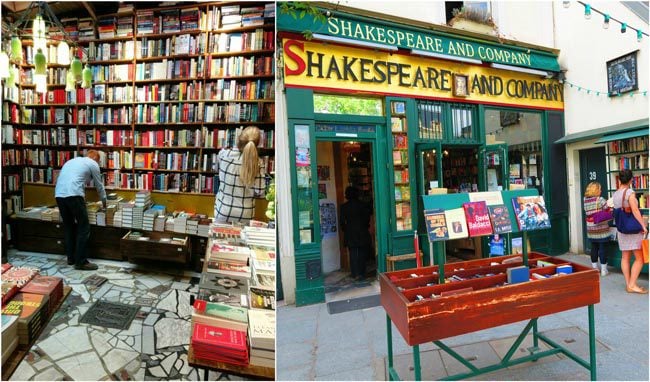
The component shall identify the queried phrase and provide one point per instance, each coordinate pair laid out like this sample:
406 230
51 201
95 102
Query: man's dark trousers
76 227
358 261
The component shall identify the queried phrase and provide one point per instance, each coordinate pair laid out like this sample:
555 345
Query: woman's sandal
641 290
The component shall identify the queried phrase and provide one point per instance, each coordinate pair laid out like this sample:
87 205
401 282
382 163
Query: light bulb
606 22
63 53
639 35
566 4
4 65
41 83
587 11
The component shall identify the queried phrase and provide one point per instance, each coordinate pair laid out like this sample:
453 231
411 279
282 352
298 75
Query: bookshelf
399 132
171 87
631 154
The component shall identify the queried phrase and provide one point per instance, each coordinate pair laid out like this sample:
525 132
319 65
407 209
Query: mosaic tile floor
153 348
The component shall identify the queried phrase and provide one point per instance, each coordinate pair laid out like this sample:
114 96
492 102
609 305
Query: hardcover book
262 298
230 285
206 319
500 218
436 224
262 329
478 218
531 213
220 337
456 223
517 274
224 311
20 275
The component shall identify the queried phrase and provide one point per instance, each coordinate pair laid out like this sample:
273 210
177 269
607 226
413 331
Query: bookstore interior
157 92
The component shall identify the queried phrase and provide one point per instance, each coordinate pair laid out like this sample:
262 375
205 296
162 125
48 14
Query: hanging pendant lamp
13 76
63 53
40 63
16 50
76 68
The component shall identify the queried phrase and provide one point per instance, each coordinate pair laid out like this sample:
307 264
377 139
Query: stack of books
49 286
228 260
20 275
159 223
192 226
70 25
31 311
180 222
86 29
259 236
127 214
203 229
101 218
143 198
230 290
9 336
252 16
149 219
220 315
261 334
110 214
31 212
220 344
138 217
107 27
263 266
269 10
92 209
169 223
125 25
230 17
113 199
144 21
189 19
225 232
9 290
117 218
171 22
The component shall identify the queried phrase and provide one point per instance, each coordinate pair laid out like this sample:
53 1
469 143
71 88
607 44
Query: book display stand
432 303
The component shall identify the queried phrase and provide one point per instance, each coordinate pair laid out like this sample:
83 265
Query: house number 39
592 175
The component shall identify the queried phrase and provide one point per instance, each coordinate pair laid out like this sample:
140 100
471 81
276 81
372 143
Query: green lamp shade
40 63
16 49
76 68
87 78
4 65
13 75
70 81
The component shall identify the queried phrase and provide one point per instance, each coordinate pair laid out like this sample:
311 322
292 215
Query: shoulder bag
625 221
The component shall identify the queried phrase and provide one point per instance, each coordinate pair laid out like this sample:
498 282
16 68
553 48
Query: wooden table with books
14 360
258 372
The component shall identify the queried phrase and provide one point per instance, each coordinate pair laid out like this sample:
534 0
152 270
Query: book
500 218
516 245
31 310
226 284
436 224
566 269
497 245
262 329
478 218
20 275
220 344
262 298
456 223
207 319
46 285
220 310
517 274
531 213
9 336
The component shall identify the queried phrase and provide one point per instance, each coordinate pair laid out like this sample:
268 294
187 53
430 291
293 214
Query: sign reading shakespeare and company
411 38
335 67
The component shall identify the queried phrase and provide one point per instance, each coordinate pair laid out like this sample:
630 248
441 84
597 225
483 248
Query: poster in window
323 172
302 136
322 191
327 218
622 74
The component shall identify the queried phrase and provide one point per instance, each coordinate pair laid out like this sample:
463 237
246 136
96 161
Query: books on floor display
224 311
500 218
456 223
5 267
9 290
9 336
436 224
226 232
517 274
228 268
220 344
31 310
46 285
478 218
228 252
261 325
229 285
531 213
207 319
20 275
259 236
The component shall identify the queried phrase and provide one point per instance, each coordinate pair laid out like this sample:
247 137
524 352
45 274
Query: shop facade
431 110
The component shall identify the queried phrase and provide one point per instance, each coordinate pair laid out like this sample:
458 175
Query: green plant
299 9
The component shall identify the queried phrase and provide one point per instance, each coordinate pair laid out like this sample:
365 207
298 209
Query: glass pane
461 122
522 135
429 170
337 104
494 161
304 182
401 166
430 119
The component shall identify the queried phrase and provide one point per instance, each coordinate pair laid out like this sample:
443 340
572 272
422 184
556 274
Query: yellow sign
335 67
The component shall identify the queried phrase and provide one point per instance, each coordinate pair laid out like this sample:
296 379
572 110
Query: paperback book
456 223
436 224
478 218
500 218
531 213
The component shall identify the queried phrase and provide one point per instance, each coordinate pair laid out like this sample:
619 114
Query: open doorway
341 165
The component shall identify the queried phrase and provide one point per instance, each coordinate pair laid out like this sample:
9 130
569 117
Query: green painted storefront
312 127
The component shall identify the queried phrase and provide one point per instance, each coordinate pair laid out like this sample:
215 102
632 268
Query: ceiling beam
90 10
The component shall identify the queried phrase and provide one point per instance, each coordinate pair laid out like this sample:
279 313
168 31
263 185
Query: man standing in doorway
355 223
70 195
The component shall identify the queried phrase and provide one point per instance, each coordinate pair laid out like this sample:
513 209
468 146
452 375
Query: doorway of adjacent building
342 164
592 169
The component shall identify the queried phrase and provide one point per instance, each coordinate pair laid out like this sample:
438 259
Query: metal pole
430 253
592 343
416 362
524 245
389 340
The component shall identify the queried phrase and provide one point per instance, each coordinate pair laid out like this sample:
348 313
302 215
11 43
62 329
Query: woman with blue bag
626 210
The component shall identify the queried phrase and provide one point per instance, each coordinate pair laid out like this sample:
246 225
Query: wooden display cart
426 308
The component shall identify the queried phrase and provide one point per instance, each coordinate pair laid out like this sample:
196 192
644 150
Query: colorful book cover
220 337
456 223
396 124
43 285
436 224
20 275
497 245
500 218
231 285
531 213
516 245
26 306
262 298
5 267
216 309
478 218
397 157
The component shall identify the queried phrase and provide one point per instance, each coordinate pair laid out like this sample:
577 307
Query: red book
46 285
478 218
5 267
219 337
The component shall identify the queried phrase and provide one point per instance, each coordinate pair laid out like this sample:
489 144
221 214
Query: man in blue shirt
70 195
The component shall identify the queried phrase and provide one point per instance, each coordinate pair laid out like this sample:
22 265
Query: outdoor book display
233 321
445 300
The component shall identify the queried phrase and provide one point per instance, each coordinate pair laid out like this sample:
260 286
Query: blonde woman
625 198
597 233
240 179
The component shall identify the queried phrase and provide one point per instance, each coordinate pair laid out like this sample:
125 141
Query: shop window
304 179
462 125
521 133
430 120
338 104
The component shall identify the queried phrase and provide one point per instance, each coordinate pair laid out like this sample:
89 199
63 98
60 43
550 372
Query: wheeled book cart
425 308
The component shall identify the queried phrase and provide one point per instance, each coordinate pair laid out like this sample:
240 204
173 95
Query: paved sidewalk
314 345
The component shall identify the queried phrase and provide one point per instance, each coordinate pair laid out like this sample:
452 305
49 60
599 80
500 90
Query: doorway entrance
343 164
592 169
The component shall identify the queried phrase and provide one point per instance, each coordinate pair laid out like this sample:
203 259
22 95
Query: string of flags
604 93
